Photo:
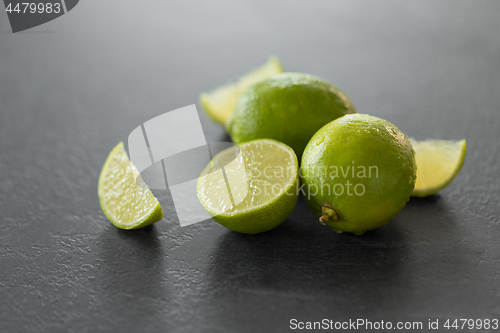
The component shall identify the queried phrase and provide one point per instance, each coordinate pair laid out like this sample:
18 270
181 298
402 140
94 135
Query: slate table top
74 87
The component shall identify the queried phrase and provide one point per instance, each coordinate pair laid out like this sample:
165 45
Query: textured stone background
72 88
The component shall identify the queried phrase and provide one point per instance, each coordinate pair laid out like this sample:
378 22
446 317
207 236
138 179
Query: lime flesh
126 204
438 163
219 103
261 187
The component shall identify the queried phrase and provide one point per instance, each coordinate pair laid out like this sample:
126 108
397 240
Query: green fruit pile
357 171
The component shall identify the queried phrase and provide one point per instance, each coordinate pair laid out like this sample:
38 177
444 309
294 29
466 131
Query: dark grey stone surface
74 87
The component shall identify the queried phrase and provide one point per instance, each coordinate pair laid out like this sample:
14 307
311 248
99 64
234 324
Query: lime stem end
329 215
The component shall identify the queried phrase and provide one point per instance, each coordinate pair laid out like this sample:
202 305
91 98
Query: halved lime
438 163
251 188
125 203
219 103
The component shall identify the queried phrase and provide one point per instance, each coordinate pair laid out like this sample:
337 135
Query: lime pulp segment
438 163
125 203
219 103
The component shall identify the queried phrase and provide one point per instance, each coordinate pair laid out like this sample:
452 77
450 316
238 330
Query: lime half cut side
251 188
438 163
125 199
219 103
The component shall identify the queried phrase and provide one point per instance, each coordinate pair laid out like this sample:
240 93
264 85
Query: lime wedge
251 189
125 203
219 103
438 163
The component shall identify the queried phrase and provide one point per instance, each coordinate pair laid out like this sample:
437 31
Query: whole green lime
357 173
288 107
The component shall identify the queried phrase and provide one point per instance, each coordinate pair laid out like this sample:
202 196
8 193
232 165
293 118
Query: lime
125 203
358 172
438 163
288 107
250 188
219 103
